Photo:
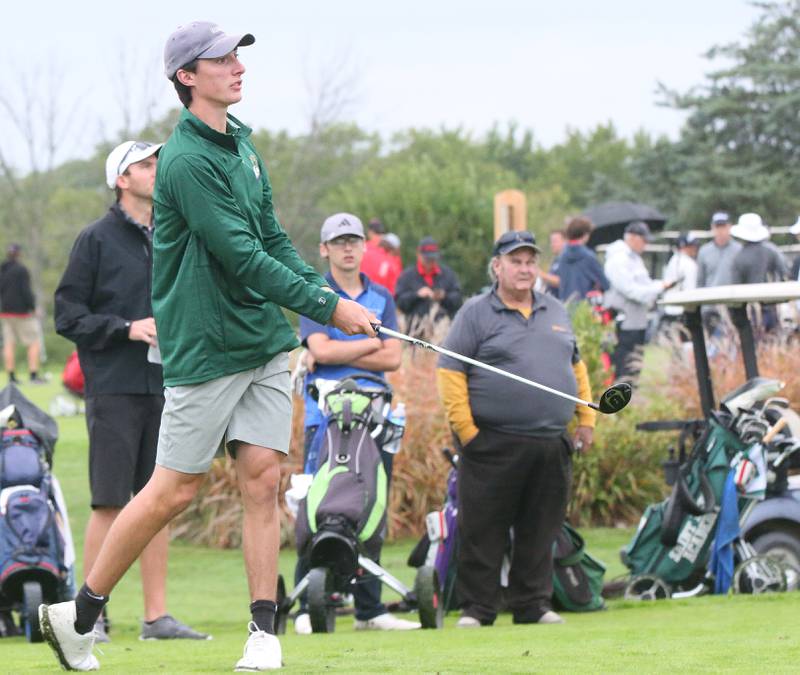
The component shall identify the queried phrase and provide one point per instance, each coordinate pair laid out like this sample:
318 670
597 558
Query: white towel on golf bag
299 483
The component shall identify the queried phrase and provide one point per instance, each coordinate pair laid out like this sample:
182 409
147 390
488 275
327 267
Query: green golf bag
674 537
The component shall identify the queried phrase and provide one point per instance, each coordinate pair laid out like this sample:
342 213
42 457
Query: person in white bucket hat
750 228
759 261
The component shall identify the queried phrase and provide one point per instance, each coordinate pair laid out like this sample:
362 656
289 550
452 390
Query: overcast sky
546 65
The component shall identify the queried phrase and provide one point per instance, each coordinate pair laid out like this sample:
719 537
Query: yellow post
510 212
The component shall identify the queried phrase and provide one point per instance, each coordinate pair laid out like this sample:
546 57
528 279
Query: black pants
367 591
509 481
628 354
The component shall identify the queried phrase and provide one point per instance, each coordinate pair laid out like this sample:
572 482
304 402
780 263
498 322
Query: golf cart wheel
321 610
281 613
647 588
759 574
429 597
31 599
784 547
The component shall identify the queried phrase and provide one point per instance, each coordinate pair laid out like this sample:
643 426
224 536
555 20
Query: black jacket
107 283
16 296
410 281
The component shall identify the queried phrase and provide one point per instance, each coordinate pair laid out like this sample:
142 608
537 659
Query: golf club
614 399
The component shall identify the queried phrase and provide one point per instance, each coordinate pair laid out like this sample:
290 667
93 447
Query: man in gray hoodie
632 294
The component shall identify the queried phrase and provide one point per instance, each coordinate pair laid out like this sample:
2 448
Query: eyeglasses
139 145
523 236
346 240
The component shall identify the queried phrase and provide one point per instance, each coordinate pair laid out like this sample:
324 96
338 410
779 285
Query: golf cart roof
737 294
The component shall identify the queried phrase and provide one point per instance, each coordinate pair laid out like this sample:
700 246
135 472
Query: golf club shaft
465 359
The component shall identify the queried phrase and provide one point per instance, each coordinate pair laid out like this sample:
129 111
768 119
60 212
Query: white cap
340 224
125 154
750 228
795 229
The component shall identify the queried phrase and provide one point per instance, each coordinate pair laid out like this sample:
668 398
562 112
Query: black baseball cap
638 227
511 241
428 247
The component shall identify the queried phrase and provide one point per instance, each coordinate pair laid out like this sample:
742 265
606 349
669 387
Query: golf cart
670 552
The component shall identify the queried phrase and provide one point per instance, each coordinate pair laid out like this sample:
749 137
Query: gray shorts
254 406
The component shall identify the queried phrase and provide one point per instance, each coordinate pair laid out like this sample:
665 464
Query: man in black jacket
428 291
17 307
103 305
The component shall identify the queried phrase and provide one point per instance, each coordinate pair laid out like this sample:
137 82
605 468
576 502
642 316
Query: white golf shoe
262 651
73 650
386 621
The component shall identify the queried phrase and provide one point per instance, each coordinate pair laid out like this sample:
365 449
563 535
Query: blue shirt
376 299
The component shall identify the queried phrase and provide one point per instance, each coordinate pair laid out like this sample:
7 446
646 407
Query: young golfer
222 269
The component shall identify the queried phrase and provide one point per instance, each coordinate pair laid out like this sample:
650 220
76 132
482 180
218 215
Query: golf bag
577 576
35 546
344 511
674 537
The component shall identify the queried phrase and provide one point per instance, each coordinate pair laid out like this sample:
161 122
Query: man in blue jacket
579 271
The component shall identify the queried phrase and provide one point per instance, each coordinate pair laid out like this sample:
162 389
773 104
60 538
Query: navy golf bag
33 567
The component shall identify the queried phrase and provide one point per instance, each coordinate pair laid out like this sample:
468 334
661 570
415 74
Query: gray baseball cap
200 40
340 224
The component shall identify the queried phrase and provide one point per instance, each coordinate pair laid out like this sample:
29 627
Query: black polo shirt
541 348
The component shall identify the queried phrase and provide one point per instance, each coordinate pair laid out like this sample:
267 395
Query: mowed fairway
207 589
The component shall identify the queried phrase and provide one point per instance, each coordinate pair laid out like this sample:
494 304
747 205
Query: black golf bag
344 512
32 526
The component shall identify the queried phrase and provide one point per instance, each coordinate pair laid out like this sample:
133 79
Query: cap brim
514 246
754 236
133 157
226 44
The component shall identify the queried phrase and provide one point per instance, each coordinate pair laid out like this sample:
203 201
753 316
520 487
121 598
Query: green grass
207 588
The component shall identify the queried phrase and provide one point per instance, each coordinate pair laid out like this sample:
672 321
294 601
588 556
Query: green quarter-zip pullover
222 264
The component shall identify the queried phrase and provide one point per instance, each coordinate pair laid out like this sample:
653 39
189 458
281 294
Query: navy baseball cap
200 40
511 241
688 239
720 218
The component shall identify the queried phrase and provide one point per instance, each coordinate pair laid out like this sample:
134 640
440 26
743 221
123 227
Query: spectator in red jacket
375 256
392 267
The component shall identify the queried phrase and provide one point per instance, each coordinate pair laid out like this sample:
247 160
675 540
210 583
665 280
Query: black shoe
13 378
37 379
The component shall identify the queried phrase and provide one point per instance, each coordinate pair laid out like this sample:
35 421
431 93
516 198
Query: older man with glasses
515 463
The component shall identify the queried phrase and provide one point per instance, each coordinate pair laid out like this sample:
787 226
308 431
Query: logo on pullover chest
254 163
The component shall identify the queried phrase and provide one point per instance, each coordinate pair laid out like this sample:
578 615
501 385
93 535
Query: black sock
34 374
12 376
88 608
263 612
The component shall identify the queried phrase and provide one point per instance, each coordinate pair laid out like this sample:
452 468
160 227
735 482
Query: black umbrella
611 218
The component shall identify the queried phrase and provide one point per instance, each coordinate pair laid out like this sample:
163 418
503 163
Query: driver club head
615 398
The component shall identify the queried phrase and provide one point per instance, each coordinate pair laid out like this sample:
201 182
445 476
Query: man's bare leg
166 494
153 561
100 521
258 473
8 356
34 350
153 564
